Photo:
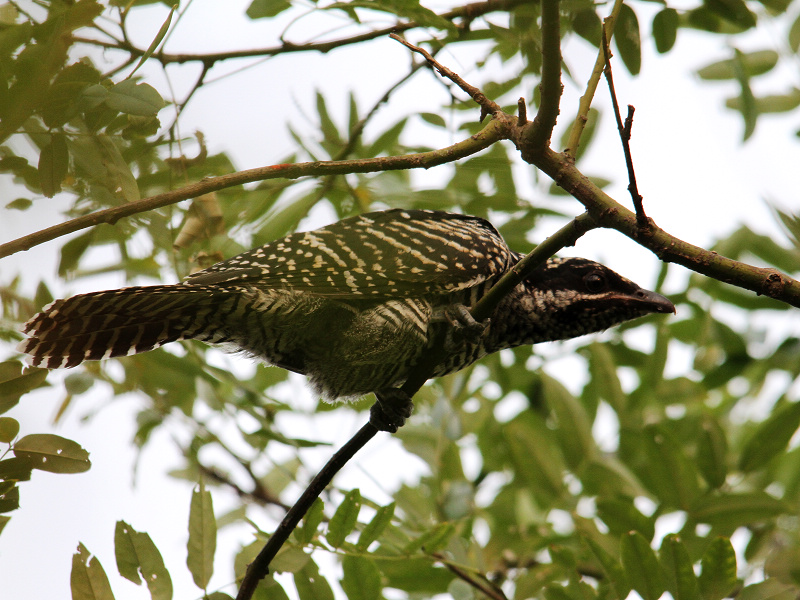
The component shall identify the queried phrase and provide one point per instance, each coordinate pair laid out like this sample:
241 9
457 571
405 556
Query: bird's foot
391 410
464 327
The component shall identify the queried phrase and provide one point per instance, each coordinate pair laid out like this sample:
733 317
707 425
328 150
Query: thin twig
609 213
591 86
467 12
522 112
488 107
625 137
259 568
479 582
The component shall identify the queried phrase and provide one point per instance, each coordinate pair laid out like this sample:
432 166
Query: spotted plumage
353 305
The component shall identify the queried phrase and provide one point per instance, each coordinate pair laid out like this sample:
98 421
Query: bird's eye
595 282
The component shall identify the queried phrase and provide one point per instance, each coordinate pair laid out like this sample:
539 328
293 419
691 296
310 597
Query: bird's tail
123 322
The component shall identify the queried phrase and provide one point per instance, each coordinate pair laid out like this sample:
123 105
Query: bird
355 306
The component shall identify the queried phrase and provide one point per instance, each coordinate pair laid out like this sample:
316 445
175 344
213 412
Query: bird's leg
464 328
391 410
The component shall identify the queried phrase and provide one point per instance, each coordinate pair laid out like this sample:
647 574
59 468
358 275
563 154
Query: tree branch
494 131
488 107
538 134
607 212
468 12
625 138
476 580
259 568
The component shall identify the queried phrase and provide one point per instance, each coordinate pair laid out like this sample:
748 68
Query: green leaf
677 567
9 499
73 251
53 165
134 98
587 24
52 453
202 537
156 40
64 98
16 381
87 579
99 158
362 579
794 38
9 428
261 9
747 100
753 63
622 516
734 510
432 540
388 140
535 456
289 559
414 575
641 566
661 463
712 452
628 40
344 519
137 554
665 29
433 119
718 574
604 379
15 469
771 589
327 126
770 438
78 383
574 428
20 204
614 570
311 585
370 533
410 9
733 11
311 520
775 103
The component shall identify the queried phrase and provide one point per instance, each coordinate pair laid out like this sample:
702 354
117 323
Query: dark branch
467 12
607 212
625 137
259 568
538 135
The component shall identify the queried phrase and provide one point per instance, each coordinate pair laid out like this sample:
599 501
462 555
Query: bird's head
576 296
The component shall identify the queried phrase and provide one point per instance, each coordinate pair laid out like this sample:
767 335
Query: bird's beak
654 302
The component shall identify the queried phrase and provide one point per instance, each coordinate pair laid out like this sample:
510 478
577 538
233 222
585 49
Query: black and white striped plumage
353 305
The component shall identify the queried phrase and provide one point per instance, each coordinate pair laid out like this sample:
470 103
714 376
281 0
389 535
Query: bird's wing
394 253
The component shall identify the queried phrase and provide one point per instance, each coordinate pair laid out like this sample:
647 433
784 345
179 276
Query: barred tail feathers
122 322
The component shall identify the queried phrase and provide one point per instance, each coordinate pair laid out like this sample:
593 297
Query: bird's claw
391 410
464 327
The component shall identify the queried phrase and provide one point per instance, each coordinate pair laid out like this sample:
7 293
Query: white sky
698 180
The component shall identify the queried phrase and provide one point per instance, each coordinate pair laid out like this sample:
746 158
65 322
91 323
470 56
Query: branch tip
522 112
488 107
642 221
